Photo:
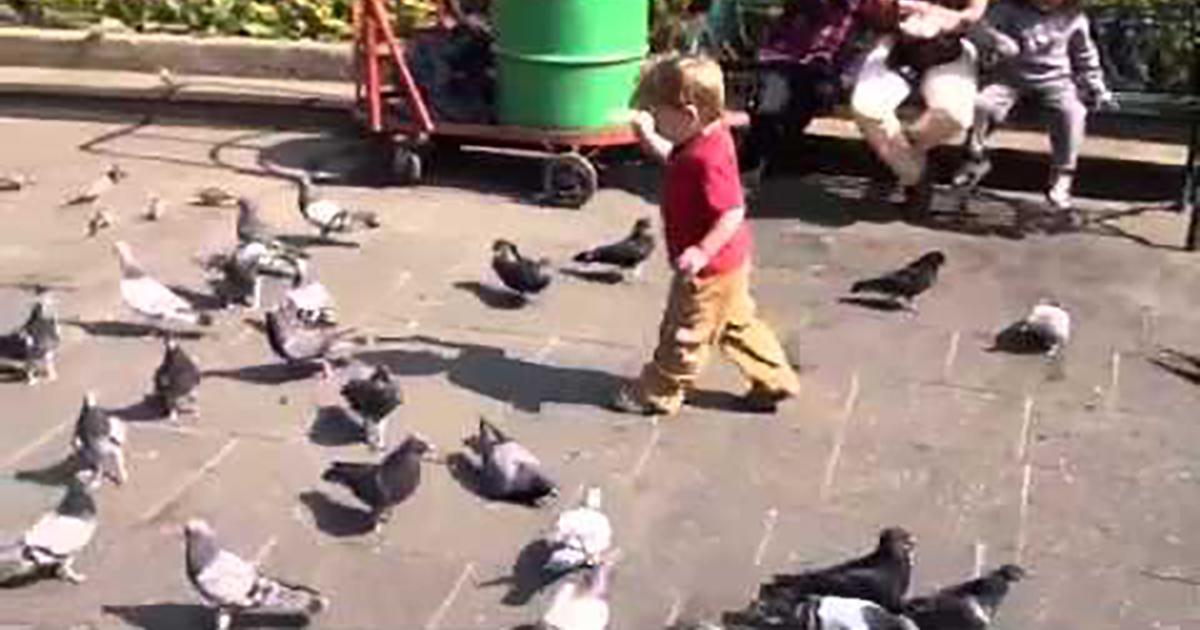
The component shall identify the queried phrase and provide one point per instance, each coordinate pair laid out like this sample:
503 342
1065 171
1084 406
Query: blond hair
683 81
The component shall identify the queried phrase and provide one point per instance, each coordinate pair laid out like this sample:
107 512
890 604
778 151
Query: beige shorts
949 88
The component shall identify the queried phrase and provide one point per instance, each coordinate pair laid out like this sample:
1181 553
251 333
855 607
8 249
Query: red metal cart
400 118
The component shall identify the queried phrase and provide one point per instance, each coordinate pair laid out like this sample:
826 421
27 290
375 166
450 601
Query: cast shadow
127 330
59 473
606 276
334 518
170 615
333 426
305 241
528 577
464 471
873 303
493 297
268 373
199 300
148 409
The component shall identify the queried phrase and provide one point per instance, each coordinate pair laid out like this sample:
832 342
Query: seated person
454 66
800 77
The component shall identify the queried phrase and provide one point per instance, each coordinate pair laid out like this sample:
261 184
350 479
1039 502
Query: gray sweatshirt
1039 48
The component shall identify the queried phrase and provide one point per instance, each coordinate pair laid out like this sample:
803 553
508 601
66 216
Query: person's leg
1068 126
685 334
949 91
878 91
752 346
992 107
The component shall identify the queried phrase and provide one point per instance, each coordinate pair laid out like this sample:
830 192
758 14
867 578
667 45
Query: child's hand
643 122
1105 102
691 261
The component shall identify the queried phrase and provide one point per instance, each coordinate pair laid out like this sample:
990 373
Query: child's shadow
529 575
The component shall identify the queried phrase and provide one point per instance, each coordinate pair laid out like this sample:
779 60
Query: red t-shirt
700 184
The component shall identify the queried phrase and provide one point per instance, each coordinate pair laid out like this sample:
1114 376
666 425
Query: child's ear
693 113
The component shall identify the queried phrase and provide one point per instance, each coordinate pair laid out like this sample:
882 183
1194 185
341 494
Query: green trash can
568 63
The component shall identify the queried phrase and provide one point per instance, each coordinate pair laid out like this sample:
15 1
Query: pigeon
35 342
98 186
12 182
176 380
99 444
230 584
241 272
294 342
844 613
53 541
309 300
968 606
155 209
387 484
328 216
583 604
907 283
581 535
149 297
1046 330
881 576
628 253
101 219
519 274
213 196
508 471
252 229
373 398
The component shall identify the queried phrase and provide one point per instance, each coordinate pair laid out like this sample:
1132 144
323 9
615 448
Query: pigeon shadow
59 473
464 471
128 330
10 373
492 297
267 373
529 575
488 371
714 400
333 426
1016 339
303 241
334 518
148 409
608 276
873 303
170 615
201 301
1189 376
26 579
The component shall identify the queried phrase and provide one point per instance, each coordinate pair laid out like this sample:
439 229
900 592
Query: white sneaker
1059 193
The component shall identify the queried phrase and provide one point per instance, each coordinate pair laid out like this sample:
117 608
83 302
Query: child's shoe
762 399
627 400
1059 192
971 173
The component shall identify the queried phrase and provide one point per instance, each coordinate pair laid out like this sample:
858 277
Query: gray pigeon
328 216
213 196
12 182
176 380
99 443
36 341
519 274
373 398
149 297
296 343
508 471
241 272
53 541
98 186
231 585
385 485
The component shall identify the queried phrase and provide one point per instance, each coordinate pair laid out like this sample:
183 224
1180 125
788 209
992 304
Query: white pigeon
231 584
149 297
583 604
845 613
1055 321
54 540
581 534
329 216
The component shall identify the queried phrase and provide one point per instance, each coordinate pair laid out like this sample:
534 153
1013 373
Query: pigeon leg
51 372
375 431
224 618
326 369
120 472
256 293
637 271
31 376
65 571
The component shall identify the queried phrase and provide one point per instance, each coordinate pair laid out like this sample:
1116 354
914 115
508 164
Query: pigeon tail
15 562
273 594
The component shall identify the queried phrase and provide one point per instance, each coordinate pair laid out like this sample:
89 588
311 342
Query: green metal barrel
568 63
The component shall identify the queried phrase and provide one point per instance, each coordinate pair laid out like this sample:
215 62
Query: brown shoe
763 399
626 400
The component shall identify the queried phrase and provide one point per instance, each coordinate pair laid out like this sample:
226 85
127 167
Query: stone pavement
1090 480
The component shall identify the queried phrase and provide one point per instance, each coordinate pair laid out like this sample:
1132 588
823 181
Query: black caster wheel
406 166
569 180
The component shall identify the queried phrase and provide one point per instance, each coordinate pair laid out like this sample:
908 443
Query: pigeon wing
149 297
60 535
227 580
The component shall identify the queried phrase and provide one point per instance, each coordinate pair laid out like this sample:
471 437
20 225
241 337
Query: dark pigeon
628 253
35 342
519 274
881 576
508 471
971 605
231 585
373 399
907 283
176 379
385 485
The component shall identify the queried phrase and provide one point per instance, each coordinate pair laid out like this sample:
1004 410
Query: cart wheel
569 180
406 166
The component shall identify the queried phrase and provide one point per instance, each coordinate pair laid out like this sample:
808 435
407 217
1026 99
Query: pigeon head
200 543
116 173
417 444
504 248
897 542
641 226
77 502
933 259
1010 573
